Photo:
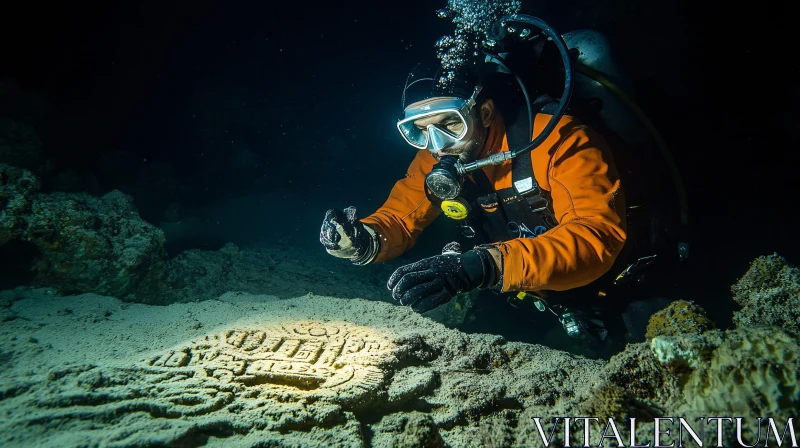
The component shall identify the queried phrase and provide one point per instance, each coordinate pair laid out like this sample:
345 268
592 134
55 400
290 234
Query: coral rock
680 317
91 244
769 294
754 371
16 189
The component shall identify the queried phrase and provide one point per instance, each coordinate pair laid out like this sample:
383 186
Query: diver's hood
431 82
443 104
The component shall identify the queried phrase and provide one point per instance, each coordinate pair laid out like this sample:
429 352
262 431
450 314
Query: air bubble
472 20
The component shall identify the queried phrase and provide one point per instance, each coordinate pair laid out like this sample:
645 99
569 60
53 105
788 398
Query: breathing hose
558 40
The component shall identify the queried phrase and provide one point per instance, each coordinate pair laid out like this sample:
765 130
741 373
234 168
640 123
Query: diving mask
440 124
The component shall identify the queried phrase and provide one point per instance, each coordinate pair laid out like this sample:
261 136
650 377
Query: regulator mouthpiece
445 179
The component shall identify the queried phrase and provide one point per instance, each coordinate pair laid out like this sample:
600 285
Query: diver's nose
438 139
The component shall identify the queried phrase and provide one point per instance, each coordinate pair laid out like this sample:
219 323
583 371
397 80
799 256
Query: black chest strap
527 206
522 210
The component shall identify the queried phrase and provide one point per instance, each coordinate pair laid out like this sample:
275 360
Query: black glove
433 281
344 236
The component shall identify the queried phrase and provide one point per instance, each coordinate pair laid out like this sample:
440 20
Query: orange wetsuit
574 165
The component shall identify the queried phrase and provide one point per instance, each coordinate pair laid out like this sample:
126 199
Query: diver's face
449 121
469 132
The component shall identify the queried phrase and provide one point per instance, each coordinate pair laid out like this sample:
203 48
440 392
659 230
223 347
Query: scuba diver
544 212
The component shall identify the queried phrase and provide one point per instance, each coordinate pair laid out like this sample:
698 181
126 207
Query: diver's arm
591 232
407 211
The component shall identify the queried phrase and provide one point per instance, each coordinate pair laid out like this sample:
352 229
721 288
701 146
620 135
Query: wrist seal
479 266
369 245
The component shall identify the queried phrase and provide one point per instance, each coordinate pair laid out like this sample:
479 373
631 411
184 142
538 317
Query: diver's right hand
344 236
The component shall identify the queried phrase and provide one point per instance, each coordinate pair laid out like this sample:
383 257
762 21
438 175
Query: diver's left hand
433 281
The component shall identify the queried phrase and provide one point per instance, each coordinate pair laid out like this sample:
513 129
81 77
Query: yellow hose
662 145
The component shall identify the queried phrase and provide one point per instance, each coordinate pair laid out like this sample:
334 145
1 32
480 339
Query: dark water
253 120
